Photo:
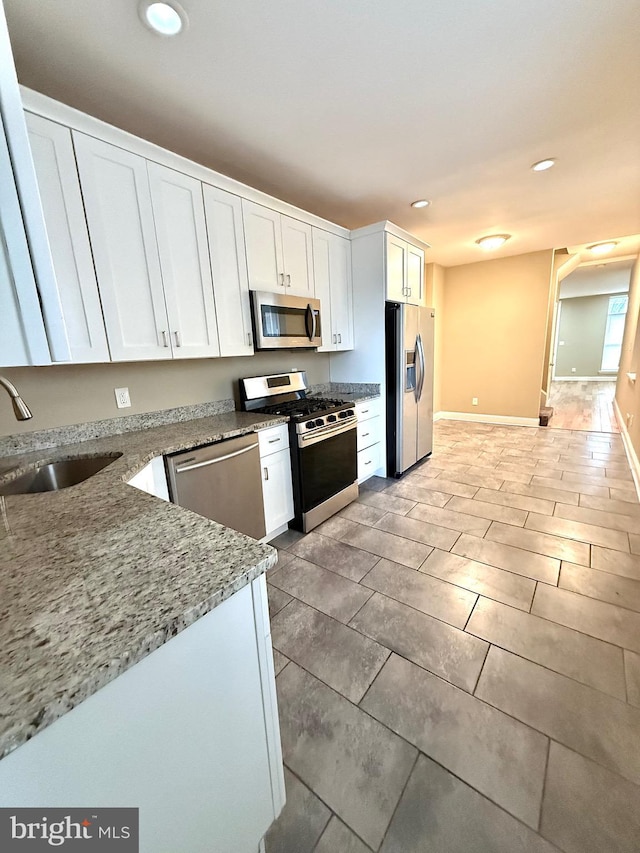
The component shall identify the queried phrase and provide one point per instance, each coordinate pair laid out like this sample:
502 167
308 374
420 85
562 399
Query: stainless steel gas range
322 435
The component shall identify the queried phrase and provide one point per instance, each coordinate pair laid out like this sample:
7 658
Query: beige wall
71 394
434 279
493 335
627 392
583 322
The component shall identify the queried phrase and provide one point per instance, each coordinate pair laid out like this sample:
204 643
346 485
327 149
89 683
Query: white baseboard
486 419
632 456
606 378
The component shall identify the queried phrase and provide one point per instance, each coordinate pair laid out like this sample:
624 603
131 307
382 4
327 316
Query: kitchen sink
53 476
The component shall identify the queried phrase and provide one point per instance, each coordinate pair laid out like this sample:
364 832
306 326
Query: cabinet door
229 268
298 263
396 269
322 277
341 291
59 188
181 232
277 491
117 200
264 247
415 276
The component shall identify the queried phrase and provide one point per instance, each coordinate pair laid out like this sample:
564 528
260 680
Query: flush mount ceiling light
543 165
167 19
602 248
493 241
422 202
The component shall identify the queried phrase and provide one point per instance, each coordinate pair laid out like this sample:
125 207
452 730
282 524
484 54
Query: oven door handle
309 438
310 313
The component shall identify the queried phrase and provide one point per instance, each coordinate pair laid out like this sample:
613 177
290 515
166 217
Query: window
614 332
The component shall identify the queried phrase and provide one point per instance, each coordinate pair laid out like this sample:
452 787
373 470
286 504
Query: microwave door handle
310 313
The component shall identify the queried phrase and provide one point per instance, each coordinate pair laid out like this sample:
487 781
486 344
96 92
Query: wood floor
583 406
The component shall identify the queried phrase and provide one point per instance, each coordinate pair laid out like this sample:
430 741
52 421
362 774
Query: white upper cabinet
223 212
279 253
332 275
119 213
178 212
405 271
59 187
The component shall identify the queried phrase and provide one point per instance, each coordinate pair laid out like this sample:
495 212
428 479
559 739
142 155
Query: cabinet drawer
273 439
368 432
369 409
368 462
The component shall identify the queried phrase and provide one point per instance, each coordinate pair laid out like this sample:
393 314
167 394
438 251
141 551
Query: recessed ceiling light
492 241
167 19
543 165
602 248
422 202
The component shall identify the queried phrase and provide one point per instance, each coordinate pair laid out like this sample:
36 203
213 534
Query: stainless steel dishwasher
221 481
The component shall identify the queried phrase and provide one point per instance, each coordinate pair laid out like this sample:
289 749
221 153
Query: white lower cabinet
190 731
277 488
370 435
152 479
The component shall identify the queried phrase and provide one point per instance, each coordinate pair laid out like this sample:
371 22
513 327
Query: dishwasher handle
183 468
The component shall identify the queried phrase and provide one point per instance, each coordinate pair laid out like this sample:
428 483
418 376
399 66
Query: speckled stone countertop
96 576
350 392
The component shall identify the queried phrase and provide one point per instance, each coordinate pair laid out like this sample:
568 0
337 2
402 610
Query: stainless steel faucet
20 408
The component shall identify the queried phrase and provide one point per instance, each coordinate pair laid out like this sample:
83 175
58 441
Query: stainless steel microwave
281 321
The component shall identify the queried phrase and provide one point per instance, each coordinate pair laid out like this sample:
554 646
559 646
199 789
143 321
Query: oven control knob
342 414
310 424
319 422
331 419
349 413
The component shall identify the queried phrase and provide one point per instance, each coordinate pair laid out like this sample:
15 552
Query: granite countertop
350 392
96 576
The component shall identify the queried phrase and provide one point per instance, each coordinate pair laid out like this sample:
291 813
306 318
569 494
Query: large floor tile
488 510
590 533
503 497
338 838
588 809
586 720
608 505
432 644
632 671
462 522
428 594
542 492
277 599
600 491
634 541
628 494
599 518
425 532
363 513
415 490
499 756
450 486
279 661
287 538
601 585
352 762
337 655
301 822
540 543
396 548
336 526
615 562
440 814
331 554
326 591
521 562
562 649
581 480
597 618
376 484
481 578
387 501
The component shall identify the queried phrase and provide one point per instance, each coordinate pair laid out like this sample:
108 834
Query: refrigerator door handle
416 359
420 349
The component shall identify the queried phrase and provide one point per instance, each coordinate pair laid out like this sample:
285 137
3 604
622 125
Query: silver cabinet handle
339 338
266 473
249 338
183 468
178 342
282 279
335 339
364 411
165 342
368 463
366 434
273 441
288 280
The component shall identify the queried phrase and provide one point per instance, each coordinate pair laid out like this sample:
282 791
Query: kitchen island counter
96 576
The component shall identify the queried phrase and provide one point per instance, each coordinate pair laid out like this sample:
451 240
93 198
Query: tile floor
458 654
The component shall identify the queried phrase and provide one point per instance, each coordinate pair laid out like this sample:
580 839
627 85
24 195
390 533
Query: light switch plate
123 401
474 401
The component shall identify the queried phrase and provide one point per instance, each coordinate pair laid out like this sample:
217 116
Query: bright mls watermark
80 830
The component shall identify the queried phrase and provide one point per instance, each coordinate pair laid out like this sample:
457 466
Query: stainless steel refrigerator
409 373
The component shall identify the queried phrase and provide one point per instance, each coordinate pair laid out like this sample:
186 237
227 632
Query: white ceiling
595 279
353 108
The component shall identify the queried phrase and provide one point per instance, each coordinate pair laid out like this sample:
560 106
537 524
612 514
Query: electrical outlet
474 401
123 401
573 370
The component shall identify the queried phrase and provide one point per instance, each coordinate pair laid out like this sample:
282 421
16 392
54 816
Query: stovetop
305 406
